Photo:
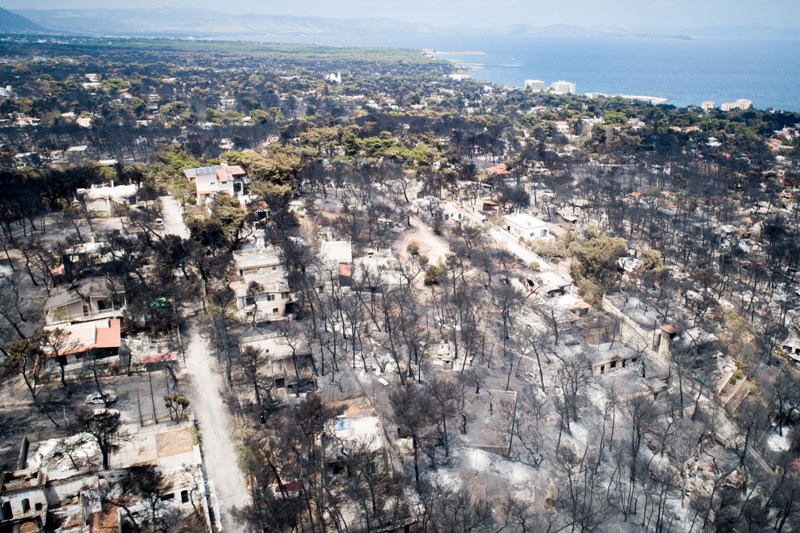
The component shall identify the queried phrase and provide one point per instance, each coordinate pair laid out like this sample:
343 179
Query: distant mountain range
205 24
13 23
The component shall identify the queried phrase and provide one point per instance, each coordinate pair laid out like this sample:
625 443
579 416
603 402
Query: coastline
453 53
465 68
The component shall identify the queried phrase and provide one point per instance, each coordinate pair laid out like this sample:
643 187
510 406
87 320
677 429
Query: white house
262 293
334 253
220 178
102 200
262 297
259 261
526 226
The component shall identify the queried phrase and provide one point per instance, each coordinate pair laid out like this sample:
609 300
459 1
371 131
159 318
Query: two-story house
209 181
88 299
262 293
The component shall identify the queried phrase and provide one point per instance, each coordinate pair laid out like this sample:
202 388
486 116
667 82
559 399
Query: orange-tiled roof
502 168
159 358
226 173
344 270
86 336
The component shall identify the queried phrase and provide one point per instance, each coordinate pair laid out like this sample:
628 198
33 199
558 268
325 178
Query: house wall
18 501
93 308
268 266
208 186
527 232
268 306
612 364
105 206
100 206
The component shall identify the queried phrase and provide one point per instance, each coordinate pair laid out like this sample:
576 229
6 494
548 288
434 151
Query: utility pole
152 397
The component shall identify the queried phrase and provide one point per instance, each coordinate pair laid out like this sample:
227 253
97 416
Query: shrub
589 291
433 274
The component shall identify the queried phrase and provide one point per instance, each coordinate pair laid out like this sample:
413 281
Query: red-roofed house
103 338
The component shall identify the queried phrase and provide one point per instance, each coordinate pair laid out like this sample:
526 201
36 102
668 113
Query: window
26 505
7 514
613 364
170 496
250 300
275 311
270 297
38 506
184 496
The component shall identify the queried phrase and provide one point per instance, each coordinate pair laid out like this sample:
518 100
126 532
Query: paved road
226 481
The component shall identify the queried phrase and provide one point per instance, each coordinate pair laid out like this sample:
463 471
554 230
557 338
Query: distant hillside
13 23
200 24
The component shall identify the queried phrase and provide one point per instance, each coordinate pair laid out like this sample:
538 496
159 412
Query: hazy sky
630 13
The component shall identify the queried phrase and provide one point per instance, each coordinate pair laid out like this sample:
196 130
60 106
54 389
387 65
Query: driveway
172 213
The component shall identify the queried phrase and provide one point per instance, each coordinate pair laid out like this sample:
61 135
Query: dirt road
432 245
225 480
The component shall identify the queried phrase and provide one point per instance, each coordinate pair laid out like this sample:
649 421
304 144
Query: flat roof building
534 85
563 87
741 103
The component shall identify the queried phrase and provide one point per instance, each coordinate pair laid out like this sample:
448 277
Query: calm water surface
684 71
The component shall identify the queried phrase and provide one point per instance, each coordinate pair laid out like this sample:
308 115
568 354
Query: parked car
97 399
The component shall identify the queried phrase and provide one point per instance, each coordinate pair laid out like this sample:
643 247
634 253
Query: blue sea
685 72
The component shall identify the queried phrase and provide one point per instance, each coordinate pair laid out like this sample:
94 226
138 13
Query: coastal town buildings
563 87
536 86
741 103
707 105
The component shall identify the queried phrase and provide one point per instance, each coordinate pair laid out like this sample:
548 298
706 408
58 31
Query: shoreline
454 53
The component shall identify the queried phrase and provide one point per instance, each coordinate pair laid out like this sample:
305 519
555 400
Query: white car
101 399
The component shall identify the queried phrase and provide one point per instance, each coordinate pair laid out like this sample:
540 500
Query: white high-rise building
563 87
708 105
534 85
741 103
